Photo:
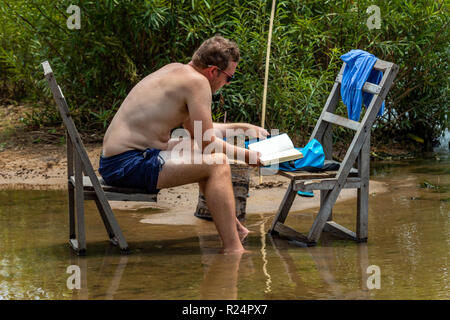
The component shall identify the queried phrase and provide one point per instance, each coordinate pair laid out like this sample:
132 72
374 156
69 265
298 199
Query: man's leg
242 231
218 191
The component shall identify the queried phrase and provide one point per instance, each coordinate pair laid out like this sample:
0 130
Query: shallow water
409 240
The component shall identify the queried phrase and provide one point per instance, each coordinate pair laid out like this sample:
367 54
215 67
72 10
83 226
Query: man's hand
248 129
260 132
254 155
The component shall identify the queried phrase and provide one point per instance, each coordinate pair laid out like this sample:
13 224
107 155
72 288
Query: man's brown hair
216 51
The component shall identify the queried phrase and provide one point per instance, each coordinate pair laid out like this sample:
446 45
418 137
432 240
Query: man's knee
219 158
218 162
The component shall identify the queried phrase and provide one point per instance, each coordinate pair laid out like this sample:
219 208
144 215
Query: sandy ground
43 167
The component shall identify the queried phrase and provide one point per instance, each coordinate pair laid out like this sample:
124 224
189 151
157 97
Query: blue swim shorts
132 169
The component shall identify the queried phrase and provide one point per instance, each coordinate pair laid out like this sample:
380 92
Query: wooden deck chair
88 186
331 183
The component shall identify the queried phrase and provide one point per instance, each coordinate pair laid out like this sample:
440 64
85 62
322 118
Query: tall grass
121 41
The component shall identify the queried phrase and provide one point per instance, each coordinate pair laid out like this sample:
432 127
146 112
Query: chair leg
109 229
319 223
80 244
71 191
70 187
115 229
285 206
323 195
362 215
324 214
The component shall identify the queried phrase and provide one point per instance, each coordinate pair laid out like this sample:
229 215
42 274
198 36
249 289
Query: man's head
217 57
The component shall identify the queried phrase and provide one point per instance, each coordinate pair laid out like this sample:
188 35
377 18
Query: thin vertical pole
266 73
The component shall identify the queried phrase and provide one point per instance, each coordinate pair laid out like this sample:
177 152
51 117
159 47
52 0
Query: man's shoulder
190 78
182 78
192 74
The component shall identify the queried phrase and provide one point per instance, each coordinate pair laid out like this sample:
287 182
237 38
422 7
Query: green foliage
122 41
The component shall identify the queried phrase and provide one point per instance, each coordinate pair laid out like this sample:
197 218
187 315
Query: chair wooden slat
305 175
368 86
341 121
383 65
326 184
116 193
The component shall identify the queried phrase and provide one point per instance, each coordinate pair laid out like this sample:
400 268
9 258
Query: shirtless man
137 145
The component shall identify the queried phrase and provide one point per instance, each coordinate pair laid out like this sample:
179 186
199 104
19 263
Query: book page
280 155
272 145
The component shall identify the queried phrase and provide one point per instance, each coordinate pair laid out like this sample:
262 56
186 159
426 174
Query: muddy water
409 240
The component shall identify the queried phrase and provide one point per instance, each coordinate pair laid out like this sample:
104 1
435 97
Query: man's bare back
155 106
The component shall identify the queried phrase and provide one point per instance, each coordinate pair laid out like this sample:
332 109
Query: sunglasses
229 76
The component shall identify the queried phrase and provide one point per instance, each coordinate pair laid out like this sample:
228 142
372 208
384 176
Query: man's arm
198 100
234 129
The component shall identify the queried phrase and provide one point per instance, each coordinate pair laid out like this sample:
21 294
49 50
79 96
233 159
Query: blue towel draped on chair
358 70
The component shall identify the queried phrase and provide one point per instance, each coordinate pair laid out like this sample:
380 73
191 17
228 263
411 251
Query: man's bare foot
242 231
243 235
235 252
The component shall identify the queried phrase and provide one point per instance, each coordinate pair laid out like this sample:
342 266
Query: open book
275 150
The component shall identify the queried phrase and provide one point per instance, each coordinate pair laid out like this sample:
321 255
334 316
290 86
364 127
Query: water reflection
82 263
262 231
222 275
409 239
109 276
220 279
325 264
